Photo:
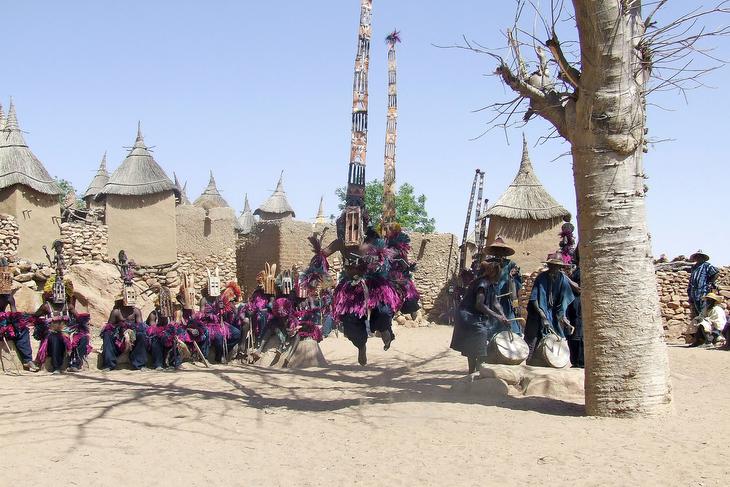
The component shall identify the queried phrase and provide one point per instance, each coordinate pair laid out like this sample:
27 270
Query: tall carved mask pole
351 227
389 213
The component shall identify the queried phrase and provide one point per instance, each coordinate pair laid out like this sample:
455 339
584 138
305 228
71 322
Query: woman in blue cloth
480 316
546 313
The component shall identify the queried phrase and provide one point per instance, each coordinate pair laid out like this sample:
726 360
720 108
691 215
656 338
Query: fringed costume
14 327
401 270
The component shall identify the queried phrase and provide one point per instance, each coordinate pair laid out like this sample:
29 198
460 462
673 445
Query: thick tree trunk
627 371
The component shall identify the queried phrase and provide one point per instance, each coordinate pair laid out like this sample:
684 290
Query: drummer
510 281
546 312
480 316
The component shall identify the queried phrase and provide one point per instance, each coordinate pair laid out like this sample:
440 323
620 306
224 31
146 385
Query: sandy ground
394 422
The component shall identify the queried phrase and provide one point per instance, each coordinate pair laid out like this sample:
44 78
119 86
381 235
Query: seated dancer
551 295
215 308
165 336
259 309
480 316
401 270
304 327
282 312
125 331
14 325
710 323
510 281
60 329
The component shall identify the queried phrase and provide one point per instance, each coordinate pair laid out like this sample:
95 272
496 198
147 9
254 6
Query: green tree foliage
410 209
66 190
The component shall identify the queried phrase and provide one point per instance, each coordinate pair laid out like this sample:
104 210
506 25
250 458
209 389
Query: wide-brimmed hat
499 248
716 298
699 253
554 259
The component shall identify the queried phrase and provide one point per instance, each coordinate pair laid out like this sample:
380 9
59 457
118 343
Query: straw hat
714 297
500 248
554 259
699 253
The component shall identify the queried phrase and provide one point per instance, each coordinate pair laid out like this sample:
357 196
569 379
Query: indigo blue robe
553 296
700 283
504 289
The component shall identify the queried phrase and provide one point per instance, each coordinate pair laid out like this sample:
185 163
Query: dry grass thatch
277 204
526 198
211 197
139 174
246 220
18 165
99 181
183 190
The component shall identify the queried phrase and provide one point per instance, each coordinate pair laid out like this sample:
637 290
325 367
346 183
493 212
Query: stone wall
84 242
672 282
9 236
437 257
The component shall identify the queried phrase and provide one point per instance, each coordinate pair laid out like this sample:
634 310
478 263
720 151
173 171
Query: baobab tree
596 100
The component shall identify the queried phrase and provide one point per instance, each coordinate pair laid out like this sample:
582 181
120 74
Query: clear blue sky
251 88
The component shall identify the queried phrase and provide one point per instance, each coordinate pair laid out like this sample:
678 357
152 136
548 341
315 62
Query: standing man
510 281
551 295
701 281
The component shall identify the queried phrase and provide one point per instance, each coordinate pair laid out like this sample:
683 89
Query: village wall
37 216
672 282
532 240
84 242
206 240
284 242
437 259
144 227
9 236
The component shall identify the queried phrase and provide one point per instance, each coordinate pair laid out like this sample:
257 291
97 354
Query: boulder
25 277
27 300
96 286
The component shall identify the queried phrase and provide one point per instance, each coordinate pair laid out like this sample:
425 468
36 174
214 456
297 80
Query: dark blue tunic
505 279
553 296
473 330
700 283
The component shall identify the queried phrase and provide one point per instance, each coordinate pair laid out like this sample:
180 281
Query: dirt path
395 422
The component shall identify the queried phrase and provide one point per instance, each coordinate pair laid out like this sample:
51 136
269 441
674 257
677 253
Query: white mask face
130 296
214 284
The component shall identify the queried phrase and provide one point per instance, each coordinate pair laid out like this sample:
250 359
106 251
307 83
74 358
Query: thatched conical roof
99 181
211 197
526 198
139 174
182 189
2 117
321 218
246 221
277 204
18 165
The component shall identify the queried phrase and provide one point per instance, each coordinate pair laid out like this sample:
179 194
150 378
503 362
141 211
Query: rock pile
8 235
84 242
